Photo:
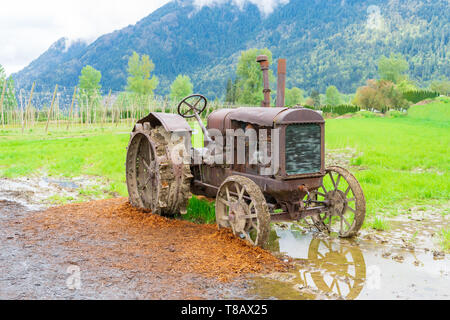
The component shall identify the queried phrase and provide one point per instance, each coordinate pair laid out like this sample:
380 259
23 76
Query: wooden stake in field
27 107
1 102
51 108
105 109
71 107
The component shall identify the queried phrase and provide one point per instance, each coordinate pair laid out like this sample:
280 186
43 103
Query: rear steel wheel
155 182
346 203
241 206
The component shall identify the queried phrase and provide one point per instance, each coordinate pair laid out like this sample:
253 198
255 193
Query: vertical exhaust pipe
264 62
281 85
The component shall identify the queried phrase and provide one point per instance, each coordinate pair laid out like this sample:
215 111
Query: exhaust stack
264 62
281 86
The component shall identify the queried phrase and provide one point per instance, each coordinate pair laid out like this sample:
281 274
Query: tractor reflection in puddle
325 268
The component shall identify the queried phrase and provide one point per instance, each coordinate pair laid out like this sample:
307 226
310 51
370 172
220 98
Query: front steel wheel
241 206
346 208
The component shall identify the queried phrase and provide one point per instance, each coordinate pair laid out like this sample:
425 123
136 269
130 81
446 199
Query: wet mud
106 250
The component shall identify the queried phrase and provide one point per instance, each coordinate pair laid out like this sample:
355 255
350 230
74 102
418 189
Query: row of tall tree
140 82
379 94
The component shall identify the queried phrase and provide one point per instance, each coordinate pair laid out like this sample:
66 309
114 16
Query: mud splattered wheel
155 181
241 206
346 203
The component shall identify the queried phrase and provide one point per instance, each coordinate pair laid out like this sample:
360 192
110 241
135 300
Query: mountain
326 43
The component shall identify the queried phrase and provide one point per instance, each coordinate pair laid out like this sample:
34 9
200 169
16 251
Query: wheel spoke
351 209
224 202
321 194
228 193
238 190
337 181
346 222
195 105
332 180
146 164
241 193
249 239
146 183
323 187
347 191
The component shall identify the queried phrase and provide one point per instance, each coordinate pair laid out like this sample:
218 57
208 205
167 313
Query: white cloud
266 6
28 28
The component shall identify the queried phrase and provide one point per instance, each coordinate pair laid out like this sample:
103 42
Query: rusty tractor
289 182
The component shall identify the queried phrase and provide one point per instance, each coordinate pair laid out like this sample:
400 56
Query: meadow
401 161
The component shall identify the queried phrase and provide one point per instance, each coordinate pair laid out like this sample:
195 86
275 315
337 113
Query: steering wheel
192 105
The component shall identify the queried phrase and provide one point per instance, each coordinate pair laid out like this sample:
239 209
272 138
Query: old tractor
253 184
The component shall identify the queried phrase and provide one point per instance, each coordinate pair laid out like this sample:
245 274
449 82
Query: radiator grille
303 154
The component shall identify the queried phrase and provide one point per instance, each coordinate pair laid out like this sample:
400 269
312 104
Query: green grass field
402 161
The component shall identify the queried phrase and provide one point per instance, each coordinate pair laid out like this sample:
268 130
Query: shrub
339 110
381 95
395 114
415 96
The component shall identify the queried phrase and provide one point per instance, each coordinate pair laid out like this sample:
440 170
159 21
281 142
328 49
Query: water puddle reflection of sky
331 268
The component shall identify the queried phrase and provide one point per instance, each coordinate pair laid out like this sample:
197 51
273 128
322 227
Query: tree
393 68
333 97
294 97
9 99
229 92
250 76
89 94
407 85
89 83
140 80
315 98
442 87
232 92
380 95
181 87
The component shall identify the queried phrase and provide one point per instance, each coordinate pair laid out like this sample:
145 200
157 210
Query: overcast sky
30 27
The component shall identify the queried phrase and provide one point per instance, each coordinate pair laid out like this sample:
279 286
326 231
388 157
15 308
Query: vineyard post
1 102
94 108
71 107
51 109
22 121
28 106
106 107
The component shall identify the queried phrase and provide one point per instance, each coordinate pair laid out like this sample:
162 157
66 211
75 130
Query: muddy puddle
333 268
41 192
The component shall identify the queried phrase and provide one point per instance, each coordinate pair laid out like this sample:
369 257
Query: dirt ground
107 250
117 252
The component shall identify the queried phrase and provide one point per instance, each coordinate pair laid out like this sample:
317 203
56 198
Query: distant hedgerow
339 109
419 95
